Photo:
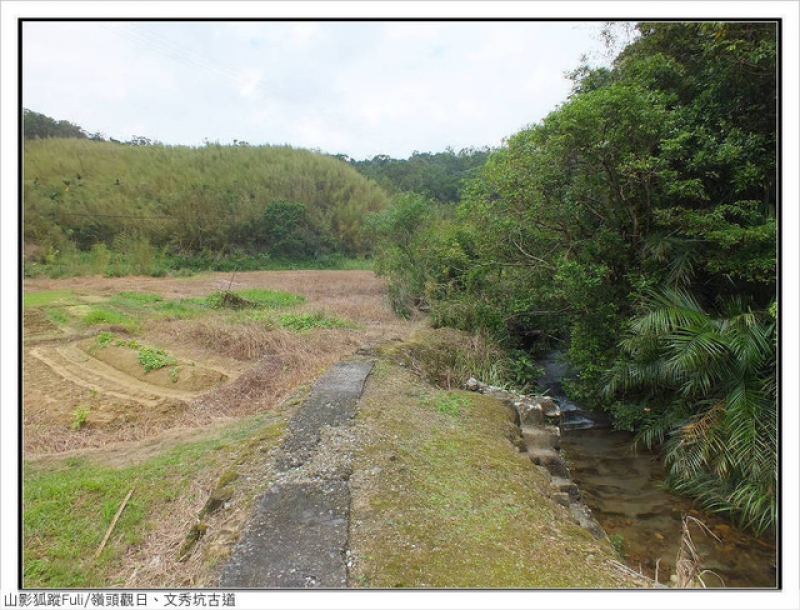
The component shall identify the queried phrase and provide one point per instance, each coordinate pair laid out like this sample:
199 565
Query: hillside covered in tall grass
208 202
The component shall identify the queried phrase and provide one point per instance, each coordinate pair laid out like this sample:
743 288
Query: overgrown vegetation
637 224
119 209
69 504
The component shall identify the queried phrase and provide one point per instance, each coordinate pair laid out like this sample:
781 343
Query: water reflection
622 489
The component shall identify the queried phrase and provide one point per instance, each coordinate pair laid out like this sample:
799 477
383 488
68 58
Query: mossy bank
442 497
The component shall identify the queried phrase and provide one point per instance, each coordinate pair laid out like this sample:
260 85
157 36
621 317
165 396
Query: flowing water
623 489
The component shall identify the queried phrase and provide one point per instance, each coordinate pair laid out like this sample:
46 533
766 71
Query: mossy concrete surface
443 498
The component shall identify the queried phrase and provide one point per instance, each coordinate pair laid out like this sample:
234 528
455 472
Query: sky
356 88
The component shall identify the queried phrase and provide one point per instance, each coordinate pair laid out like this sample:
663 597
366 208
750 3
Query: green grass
304 322
134 299
181 309
49 297
69 504
57 316
270 299
474 511
102 315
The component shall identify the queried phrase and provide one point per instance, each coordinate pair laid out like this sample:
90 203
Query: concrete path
297 537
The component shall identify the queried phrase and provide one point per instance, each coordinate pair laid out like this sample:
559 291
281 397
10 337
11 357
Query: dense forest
635 225
439 176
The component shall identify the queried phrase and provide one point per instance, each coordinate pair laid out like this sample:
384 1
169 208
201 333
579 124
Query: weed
616 541
225 299
79 417
271 299
101 341
523 370
449 403
304 322
56 316
106 316
135 299
173 374
181 309
153 359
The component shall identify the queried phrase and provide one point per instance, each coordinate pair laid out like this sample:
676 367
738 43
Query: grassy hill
213 201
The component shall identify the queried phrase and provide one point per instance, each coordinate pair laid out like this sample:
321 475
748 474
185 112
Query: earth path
298 535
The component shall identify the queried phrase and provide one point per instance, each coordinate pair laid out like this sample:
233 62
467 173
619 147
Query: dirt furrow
82 370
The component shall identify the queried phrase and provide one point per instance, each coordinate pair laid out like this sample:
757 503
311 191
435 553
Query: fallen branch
113 523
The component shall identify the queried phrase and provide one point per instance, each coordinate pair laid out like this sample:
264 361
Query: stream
623 490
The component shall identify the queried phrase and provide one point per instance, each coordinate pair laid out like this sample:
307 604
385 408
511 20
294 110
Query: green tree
36 125
708 381
282 228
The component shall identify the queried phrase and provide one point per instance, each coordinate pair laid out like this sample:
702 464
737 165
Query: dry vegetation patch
228 361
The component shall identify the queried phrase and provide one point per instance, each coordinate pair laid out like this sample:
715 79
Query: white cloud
247 80
303 33
361 88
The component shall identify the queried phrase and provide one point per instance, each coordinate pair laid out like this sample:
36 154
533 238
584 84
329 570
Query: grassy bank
70 503
443 498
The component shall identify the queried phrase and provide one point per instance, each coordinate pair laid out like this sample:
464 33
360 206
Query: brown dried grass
264 361
688 566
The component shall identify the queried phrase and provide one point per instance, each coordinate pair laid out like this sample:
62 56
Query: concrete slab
297 537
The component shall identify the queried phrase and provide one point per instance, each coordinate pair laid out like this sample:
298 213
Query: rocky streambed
623 491
616 492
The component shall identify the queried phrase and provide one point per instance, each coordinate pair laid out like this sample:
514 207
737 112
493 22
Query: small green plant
106 316
448 403
153 359
51 255
79 417
135 299
56 316
101 341
173 374
304 322
523 370
616 541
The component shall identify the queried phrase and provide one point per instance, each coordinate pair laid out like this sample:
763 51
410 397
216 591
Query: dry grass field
96 423
230 364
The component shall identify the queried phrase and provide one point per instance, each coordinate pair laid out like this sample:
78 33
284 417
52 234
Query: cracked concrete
297 537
